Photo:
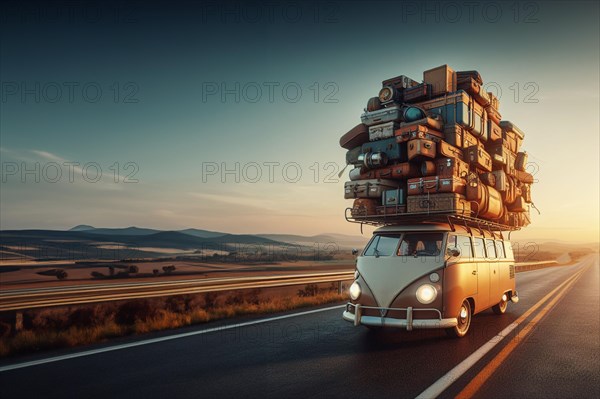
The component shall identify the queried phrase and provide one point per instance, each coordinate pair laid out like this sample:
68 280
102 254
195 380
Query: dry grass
58 328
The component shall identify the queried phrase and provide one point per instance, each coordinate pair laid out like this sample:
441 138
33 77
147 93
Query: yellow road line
481 378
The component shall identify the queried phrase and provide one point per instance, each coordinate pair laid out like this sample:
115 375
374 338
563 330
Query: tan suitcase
523 177
494 102
372 188
486 201
436 184
478 157
364 207
494 131
428 168
355 137
449 151
403 170
526 193
472 87
519 205
442 79
438 203
512 133
421 148
450 167
417 131
459 136
493 114
521 161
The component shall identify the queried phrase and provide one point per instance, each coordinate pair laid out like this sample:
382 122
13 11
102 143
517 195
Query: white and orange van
431 275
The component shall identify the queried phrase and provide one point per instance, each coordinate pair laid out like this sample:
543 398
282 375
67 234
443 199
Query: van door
483 275
494 271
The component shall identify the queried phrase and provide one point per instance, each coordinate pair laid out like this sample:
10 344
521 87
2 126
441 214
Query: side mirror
453 252
354 251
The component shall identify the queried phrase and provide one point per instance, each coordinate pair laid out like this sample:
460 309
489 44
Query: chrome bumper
409 323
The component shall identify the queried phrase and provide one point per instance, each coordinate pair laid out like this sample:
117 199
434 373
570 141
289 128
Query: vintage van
431 275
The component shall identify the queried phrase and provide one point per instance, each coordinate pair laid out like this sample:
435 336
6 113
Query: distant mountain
341 240
202 233
82 227
124 231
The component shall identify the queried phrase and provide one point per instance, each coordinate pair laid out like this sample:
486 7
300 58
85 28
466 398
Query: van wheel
464 321
500 308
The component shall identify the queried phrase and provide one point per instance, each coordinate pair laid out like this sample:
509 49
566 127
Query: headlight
426 294
354 291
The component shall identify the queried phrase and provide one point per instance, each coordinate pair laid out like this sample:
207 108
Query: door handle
474 272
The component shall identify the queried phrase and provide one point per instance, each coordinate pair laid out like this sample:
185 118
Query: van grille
512 271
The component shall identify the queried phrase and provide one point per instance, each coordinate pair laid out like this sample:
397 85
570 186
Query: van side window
508 250
479 246
500 250
491 248
464 244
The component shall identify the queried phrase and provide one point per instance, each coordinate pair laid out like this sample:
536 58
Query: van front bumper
409 323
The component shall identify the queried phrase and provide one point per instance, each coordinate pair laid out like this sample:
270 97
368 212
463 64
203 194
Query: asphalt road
320 355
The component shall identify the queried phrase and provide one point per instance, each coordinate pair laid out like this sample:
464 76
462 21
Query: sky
227 116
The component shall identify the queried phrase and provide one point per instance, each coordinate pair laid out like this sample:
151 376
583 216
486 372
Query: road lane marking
481 378
450 377
161 339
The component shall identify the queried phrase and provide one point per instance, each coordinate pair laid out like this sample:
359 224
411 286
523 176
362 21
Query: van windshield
407 244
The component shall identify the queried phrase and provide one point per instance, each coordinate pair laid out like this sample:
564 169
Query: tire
464 321
500 308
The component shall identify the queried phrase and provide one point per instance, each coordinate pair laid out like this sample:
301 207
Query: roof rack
449 217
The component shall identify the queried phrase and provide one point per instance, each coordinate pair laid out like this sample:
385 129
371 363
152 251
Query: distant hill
202 233
124 231
341 240
82 227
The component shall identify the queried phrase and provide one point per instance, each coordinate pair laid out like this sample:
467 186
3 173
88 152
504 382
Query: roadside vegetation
53 328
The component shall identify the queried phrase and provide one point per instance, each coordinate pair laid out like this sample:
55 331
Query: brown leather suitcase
500 153
420 92
421 148
442 79
403 170
519 205
449 151
428 168
486 201
458 136
494 102
478 157
472 87
391 210
510 194
399 82
434 122
371 188
521 161
438 203
488 178
355 137
526 193
500 180
511 132
417 131
451 167
435 184
472 74
523 177
493 114
494 131
373 104
364 207
524 218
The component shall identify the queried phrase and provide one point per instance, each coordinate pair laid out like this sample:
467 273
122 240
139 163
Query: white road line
161 339
440 385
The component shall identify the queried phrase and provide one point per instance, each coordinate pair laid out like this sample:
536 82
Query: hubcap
463 313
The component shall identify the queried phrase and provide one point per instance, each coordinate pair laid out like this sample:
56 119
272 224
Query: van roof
414 227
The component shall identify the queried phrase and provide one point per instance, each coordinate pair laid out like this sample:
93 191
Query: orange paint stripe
481 378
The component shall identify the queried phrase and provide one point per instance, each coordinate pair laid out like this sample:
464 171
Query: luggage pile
437 147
